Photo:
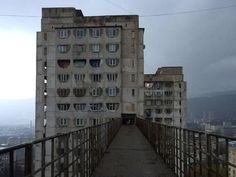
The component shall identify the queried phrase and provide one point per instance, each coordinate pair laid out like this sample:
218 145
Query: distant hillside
214 106
14 112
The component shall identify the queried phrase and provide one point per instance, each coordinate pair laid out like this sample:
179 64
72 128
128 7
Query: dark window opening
95 63
63 63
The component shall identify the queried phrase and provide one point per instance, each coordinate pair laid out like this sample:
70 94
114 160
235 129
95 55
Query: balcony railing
71 154
191 153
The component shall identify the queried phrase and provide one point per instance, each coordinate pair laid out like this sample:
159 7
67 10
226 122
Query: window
168 120
79 48
79 122
112 47
81 32
158 111
96 91
63 122
158 102
45 51
180 103
168 111
95 63
63 107
158 85
63 77
158 93
133 92
112 62
45 65
148 112
168 102
148 84
148 93
112 32
112 106
95 48
168 93
80 106
79 77
180 111
168 84
45 36
96 106
112 91
63 92
63 48
79 92
95 32
112 76
96 77
63 33
132 77
63 63
80 63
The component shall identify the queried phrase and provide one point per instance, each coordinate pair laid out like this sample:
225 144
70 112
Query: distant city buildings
165 96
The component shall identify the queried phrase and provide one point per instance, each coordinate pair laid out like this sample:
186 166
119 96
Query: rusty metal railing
191 153
73 154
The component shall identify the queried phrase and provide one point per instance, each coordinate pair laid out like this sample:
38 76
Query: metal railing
191 153
73 154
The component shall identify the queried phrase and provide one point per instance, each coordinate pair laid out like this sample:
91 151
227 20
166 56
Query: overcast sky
203 42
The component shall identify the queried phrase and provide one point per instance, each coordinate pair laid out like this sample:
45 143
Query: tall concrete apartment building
89 68
165 96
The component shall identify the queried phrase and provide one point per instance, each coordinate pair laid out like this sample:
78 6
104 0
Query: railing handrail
192 130
15 147
189 152
63 152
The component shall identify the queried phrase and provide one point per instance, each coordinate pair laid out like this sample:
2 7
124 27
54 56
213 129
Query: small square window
112 47
63 122
112 32
95 32
112 91
112 62
80 33
79 122
95 48
63 33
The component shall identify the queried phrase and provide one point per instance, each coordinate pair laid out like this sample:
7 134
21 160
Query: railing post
11 162
209 165
43 152
28 159
227 156
66 157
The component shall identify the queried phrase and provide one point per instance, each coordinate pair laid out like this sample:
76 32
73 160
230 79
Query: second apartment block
165 96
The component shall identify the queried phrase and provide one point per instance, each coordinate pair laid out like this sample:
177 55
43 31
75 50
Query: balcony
146 149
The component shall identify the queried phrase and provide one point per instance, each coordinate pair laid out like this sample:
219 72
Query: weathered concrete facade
165 96
88 68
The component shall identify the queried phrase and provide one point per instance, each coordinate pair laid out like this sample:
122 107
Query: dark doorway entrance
128 119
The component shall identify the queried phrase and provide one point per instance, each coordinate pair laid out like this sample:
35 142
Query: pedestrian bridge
111 149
